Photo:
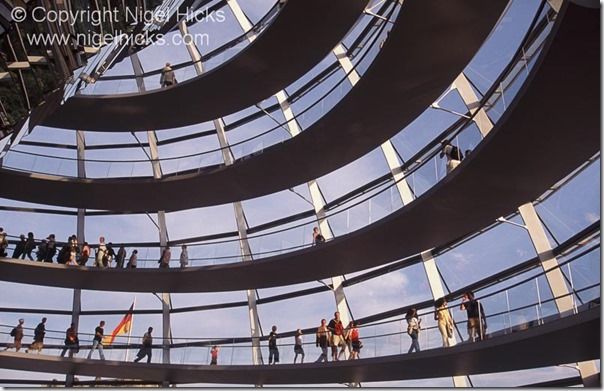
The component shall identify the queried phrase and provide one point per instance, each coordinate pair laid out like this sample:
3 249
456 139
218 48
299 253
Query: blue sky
569 210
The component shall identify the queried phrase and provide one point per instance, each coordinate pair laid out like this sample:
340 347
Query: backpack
13 332
456 153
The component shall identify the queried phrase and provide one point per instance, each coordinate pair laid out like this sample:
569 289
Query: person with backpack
146 350
355 341
453 154
413 327
17 334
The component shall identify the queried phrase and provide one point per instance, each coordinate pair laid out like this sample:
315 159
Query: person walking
164 260
273 350
298 349
97 341
146 350
167 77
445 321
336 327
214 355
322 340
184 256
413 327
30 245
19 251
39 333
477 323
72 343
17 334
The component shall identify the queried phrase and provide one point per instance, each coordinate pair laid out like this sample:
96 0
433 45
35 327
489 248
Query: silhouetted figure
20 248
97 342
453 154
167 78
72 343
273 350
146 350
17 334
317 238
39 334
3 243
164 260
30 245
120 257
41 253
477 323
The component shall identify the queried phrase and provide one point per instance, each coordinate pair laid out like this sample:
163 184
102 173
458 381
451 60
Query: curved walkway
418 62
571 339
300 37
552 115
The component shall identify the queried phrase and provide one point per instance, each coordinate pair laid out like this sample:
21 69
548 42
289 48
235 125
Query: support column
555 280
318 203
438 291
242 227
469 97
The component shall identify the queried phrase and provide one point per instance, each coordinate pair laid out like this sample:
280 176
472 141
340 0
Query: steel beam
556 281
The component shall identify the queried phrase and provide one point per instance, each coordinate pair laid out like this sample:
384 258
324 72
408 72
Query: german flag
122 328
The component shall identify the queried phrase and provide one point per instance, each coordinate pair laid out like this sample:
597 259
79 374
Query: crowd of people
333 338
75 253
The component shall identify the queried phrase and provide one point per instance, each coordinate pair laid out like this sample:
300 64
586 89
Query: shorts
338 340
298 349
356 346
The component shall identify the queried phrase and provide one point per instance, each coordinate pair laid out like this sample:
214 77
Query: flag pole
130 329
